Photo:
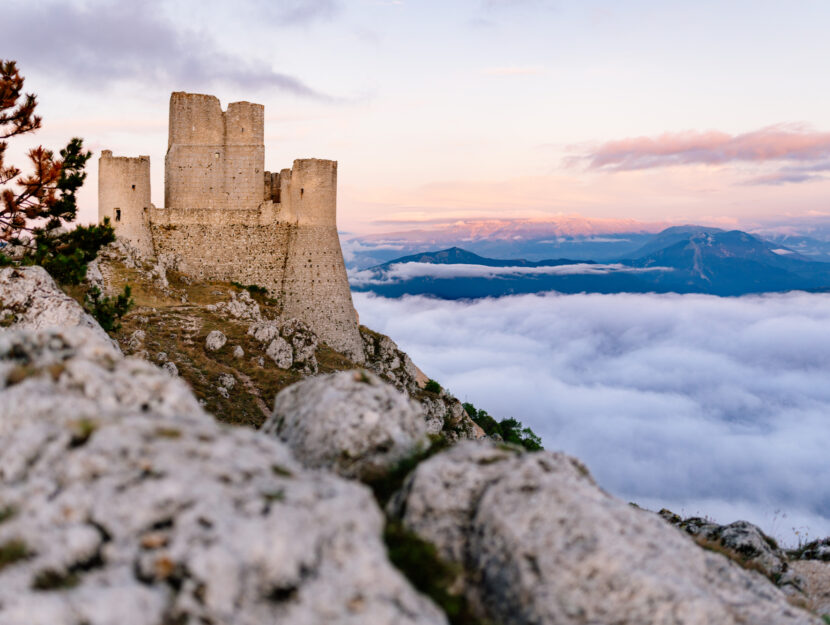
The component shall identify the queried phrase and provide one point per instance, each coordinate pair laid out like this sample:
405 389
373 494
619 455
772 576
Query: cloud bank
401 272
706 405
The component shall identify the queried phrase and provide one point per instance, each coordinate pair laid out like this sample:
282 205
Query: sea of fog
709 406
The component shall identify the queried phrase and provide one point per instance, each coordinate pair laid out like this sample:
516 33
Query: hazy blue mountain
458 256
668 237
685 259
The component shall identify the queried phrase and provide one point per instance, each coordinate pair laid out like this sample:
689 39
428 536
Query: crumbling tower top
215 158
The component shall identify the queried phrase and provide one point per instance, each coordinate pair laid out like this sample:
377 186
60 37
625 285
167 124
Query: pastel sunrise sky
706 112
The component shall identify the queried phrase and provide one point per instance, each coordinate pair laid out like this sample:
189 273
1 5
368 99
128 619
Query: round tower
124 197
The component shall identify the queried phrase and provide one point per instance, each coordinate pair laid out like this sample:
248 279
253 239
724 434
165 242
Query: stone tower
226 218
124 197
214 159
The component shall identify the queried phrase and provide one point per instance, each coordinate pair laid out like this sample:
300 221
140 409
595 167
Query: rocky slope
236 351
123 500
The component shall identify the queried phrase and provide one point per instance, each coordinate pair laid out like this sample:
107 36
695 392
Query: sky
705 111
708 406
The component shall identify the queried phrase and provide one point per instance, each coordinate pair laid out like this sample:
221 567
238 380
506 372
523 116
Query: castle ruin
226 218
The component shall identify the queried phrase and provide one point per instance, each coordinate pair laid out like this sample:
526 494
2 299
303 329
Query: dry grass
179 330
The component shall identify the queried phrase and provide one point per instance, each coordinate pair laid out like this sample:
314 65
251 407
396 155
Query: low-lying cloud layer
401 272
707 405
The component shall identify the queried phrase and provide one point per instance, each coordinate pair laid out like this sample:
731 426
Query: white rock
280 352
227 381
136 339
30 295
132 517
264 331
241 306
73 373
171 368
350 422
215 340
541 543
238 352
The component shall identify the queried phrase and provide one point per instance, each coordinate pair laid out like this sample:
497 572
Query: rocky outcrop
30 299
742 541
539 542
288 343
75 374
444 414
814 550
121 501
350 422
241 306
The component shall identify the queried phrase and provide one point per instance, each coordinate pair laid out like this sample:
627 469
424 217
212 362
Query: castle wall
124 197
301 265
316 288
228 219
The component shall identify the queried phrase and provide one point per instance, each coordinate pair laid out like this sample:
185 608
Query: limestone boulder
744 542
122 502
350 422
279 350
393 365
443 413
76 374
215 340
241 306
815 550
30 299
540 543
290 343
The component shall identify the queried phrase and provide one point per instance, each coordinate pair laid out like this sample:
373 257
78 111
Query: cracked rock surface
122 502
350 422
540 543
30 299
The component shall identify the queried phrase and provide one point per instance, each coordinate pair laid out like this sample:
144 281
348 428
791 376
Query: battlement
227 218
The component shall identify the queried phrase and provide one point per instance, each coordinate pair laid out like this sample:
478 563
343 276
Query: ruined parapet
214 159
124 197
226 218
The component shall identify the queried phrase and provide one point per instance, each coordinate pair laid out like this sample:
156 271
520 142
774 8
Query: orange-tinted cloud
781 142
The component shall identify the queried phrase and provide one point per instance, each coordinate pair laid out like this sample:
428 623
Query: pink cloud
789 142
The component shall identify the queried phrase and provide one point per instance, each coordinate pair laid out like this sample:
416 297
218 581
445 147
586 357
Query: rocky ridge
123 500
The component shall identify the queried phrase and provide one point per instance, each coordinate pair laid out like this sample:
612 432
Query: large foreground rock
30 299
117 510
541 543
75 374
350 422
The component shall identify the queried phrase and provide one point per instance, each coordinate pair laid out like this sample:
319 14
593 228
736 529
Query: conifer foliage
44 198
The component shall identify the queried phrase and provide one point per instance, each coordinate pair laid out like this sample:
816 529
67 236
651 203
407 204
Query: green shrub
432 387
108 310
66 255
510 430
253 289
419 561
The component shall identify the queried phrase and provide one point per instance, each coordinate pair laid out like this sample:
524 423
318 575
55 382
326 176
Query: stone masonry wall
214 159
228 219
301 265
124 197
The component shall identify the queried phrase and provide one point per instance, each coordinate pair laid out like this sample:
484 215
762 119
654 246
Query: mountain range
566 236
681 259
